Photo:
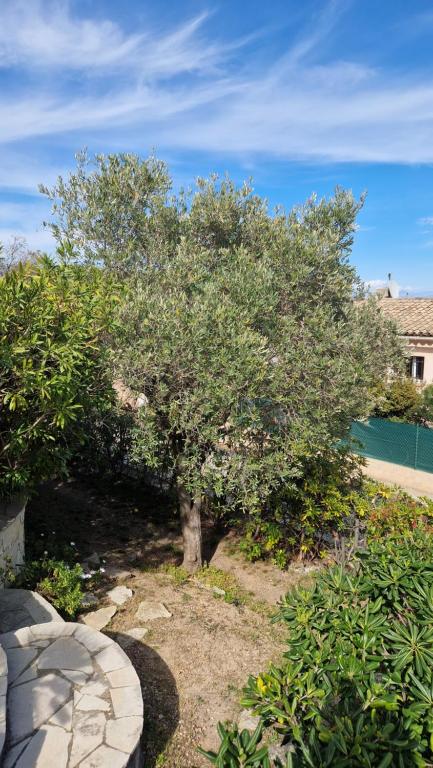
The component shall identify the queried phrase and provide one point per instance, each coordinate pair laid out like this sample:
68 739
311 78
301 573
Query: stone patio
73 696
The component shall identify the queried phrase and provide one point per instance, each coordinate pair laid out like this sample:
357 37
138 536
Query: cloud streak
180 88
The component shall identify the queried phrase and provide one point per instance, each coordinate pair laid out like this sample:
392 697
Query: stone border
3 692
12 532
22 608
66 678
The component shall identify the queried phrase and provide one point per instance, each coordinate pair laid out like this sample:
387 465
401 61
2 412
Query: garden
177 387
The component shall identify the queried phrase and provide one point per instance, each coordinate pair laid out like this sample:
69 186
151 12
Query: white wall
423 348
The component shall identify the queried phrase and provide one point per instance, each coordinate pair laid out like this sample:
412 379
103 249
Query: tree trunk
191 529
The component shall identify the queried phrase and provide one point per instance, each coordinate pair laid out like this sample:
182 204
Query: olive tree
243 339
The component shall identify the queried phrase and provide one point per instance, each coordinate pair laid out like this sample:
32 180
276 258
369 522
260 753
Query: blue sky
299 96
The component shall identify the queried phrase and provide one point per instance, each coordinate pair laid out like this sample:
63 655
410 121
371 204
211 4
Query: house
414 318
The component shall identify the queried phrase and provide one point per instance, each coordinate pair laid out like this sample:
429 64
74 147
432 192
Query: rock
123 734
119 595
18 660
63 717
94 688
100 618
148 611
219 591
66 653
91 703
127 702
88 735
130 636
29 674
10 759
114 572
104 756
94 560
77 677
48 747
248 721
89 600
32 704
121 677
94 641
112 658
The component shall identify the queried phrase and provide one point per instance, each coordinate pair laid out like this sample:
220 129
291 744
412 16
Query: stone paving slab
75 701
21 608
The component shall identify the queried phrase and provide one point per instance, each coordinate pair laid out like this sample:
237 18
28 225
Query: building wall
423 348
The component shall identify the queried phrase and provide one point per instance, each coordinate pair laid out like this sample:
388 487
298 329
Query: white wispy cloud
180 88
44 34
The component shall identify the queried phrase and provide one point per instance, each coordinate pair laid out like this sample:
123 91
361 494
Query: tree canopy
240 329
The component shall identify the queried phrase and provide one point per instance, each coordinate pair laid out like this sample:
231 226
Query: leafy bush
304 517
356 685
56 580
402 400
399 399
52 322
393 512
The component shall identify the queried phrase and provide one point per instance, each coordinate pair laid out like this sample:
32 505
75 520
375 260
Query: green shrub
303 518
56 580
356 685
393 512
400 399
52 323
239 749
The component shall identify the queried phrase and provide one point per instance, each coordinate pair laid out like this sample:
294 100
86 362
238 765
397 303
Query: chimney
393 288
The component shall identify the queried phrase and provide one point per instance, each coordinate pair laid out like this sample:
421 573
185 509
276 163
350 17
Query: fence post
416 445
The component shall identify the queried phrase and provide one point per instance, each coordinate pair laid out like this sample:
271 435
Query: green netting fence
406 444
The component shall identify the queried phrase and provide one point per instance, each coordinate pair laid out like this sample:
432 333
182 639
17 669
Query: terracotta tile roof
413 316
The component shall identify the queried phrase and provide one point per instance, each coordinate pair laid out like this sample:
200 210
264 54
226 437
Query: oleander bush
53 320
355 687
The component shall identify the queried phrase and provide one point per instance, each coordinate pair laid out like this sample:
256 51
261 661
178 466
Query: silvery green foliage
238 326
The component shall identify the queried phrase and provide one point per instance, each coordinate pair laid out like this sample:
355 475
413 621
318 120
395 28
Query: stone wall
12 532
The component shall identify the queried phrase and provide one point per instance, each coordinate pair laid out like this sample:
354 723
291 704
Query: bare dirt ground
192 666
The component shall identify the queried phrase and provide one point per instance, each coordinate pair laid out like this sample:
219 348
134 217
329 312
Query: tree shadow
160 698
213 533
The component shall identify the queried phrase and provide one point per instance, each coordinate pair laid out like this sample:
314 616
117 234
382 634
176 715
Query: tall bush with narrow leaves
53 319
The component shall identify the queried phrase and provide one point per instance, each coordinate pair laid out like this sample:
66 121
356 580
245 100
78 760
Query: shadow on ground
127 524
160 698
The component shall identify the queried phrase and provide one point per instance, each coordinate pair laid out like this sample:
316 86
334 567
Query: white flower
72 543
85 576
102 570
45 553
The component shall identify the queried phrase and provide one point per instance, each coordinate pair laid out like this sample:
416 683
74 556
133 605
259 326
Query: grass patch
176 572
224 584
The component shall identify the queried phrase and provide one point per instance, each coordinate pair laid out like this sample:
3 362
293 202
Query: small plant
223 583
239 749
59 582
177 573
7 573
